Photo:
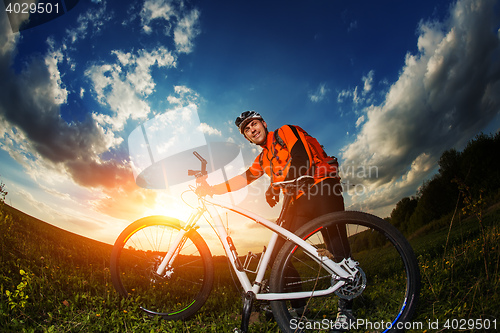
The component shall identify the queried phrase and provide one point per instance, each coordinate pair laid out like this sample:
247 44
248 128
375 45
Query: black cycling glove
272 195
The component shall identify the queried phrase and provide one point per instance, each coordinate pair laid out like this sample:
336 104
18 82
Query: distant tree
3 193
450 165
436 198
449 170
480 163
476 168
400 216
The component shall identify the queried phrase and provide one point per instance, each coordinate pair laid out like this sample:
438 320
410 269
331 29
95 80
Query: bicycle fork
178 243
172 253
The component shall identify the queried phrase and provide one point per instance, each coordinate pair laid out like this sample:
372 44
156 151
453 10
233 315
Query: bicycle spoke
185 283
385 288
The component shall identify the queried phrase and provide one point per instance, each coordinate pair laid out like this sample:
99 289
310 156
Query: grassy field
55 281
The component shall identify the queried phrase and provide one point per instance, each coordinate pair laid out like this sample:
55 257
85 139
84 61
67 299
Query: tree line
467 178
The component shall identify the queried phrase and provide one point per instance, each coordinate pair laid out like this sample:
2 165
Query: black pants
323 198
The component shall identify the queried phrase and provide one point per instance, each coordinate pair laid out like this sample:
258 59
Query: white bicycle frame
342 272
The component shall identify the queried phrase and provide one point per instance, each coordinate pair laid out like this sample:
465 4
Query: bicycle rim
383 296
182 289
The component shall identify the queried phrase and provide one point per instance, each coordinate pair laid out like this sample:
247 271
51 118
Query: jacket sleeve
242 180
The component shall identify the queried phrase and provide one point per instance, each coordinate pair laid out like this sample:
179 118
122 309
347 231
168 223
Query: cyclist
286 155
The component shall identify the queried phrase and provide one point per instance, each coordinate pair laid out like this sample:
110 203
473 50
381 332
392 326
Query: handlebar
203 162
203 171
299 183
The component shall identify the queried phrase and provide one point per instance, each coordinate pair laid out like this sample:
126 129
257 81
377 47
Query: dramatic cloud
445 94
126 201
30 101
36 135
33 131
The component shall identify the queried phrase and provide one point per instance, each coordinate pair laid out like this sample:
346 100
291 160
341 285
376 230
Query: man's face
256 131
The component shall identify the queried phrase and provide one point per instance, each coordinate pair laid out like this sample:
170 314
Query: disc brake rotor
354 288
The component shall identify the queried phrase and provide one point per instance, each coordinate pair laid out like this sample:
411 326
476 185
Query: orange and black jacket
289 160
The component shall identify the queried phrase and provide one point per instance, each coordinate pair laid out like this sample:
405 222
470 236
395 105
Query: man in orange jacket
286 154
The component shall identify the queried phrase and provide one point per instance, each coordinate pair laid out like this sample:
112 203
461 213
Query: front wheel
138 251
383 295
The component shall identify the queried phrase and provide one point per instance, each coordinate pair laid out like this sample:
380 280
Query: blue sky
385 86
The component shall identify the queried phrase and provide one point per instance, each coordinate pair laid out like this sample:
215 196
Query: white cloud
186 31
90 22
59 93
171 15
356 99
320 93
354 95
343 95
360 120
185 96
207 129
154 10
123 85
117 93
368 82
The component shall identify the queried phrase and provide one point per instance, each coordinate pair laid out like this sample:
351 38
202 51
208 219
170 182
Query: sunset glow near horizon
386 87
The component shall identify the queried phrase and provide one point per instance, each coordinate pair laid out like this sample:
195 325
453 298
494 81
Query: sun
167 205
178 213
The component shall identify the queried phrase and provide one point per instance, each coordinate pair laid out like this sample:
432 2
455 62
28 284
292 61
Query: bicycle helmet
245 118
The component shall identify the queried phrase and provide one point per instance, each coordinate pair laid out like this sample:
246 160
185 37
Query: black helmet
245 118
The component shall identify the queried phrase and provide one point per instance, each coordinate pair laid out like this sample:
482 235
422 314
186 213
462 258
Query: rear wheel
382 297
137 253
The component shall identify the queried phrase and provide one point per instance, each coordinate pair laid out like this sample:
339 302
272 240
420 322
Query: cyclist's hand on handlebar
204 190
273 195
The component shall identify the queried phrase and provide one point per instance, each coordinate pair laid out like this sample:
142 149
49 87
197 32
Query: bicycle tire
138 251
383 300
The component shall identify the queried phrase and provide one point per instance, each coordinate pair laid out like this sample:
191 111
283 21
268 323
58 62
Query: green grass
55 281
455 284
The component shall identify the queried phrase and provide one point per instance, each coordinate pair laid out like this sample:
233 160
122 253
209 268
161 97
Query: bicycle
167 267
